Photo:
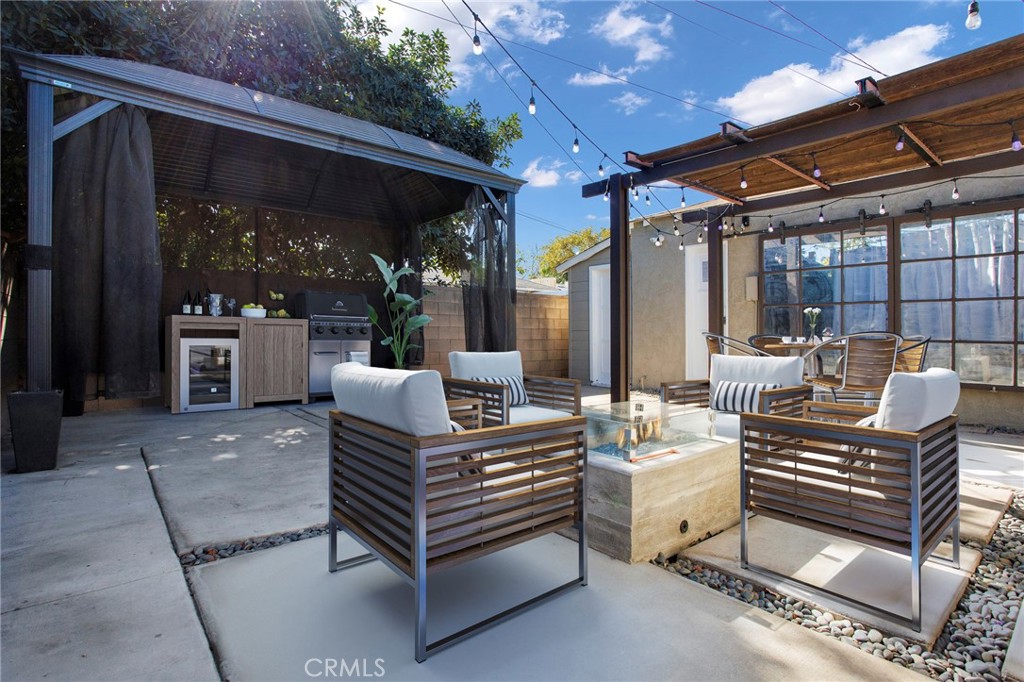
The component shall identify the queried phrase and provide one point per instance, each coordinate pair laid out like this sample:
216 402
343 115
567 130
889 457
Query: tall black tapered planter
35 428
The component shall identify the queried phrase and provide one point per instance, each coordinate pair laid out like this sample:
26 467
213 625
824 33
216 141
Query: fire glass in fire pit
636 430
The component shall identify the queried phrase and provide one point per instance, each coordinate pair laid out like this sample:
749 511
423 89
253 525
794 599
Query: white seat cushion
727 425
533 413
913 400
467 365
403 400
760 370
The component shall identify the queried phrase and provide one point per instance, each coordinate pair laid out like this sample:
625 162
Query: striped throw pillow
517 391
736 396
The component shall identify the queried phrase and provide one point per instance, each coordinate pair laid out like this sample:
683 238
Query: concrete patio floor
92 588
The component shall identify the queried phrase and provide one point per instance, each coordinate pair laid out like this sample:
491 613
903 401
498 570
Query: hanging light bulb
660 240
478 49
900 142
721 226
575 141
675 229
771 225
956 191
743 180
533 101
821 214
700 237
973 17
632 188
703 226
682 197
682 247
817 170
1015 144
881 205
606 188
647 196
600 165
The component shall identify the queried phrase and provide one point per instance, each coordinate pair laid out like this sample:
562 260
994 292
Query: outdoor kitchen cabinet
276 360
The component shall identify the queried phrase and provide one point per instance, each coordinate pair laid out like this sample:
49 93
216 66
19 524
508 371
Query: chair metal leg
332 544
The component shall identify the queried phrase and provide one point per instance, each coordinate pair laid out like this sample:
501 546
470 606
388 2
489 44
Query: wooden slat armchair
868 358
422 498
895 486
549 397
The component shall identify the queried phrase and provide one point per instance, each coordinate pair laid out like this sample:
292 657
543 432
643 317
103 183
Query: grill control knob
334 330
318 330
348 330
362 330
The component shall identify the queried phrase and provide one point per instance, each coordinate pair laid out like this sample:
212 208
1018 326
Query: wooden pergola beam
918 145
799 173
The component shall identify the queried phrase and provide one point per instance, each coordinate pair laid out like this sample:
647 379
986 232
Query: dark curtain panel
107 268
488 294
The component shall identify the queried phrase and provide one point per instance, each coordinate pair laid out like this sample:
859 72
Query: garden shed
139 172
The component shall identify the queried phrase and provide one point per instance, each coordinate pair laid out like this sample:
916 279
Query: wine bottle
197 304
186 303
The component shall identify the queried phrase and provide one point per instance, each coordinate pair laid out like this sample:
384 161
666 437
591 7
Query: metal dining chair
911 354
868 358
725 345
760 341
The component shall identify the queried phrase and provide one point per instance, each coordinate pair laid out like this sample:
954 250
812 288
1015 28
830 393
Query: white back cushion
912 401
467 365
403 400
760 370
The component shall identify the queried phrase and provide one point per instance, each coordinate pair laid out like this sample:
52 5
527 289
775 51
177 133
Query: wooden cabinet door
278 360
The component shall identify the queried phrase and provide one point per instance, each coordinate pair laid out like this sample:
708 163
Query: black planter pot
35 428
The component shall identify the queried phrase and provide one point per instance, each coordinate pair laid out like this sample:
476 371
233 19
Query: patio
93 588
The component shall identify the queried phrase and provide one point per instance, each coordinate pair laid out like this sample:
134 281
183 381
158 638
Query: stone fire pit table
659 480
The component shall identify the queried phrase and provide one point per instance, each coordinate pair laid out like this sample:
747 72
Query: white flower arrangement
812 316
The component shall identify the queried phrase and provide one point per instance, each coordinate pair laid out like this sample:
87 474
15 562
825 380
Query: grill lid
329 305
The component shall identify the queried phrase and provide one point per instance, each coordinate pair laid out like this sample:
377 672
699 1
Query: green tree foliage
319 52
561 249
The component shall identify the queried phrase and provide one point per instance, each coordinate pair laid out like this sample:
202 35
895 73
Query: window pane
1020 320
1020 274
872 247
780 320
984 277
820 250
867 283
926 280
870 317
1020 230
981 234
779 256
918 241
984 320
927 319
821 286
780 287
985 363
1020 365
939 355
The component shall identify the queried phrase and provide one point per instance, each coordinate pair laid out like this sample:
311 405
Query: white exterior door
696 283
601 325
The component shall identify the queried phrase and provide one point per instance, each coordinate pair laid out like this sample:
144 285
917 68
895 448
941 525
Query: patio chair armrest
835 412
787 401
557 393
691 392
466 412
494 398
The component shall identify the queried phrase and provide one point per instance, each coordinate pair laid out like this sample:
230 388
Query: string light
632 188
675 228
703 226
647 196
600 165
973 21
682 247
821 214
682 197
743 180
1015 144
533 101
606 188
478 48
881 205
900 142
700 237
817 170
771 225
575 140
956 191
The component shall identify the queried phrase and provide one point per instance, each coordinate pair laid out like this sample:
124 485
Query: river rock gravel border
973 642
204 554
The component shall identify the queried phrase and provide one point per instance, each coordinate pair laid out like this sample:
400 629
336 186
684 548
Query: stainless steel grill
339 331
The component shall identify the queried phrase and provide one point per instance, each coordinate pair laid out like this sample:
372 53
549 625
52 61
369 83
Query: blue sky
690 65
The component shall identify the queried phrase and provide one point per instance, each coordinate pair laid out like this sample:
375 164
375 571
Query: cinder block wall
542 331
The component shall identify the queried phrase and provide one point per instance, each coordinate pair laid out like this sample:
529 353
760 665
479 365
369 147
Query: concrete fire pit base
663 504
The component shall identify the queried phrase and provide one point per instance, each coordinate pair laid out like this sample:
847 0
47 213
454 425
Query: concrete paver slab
857 571
994 458
632 622
265 474
142 630
982 505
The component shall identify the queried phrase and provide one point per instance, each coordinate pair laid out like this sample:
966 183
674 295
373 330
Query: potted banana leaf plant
401 314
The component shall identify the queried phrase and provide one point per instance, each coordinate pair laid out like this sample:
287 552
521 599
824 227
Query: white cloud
524 20
539 176
622 28
786 92
574 176
605 77
591 216
629 102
